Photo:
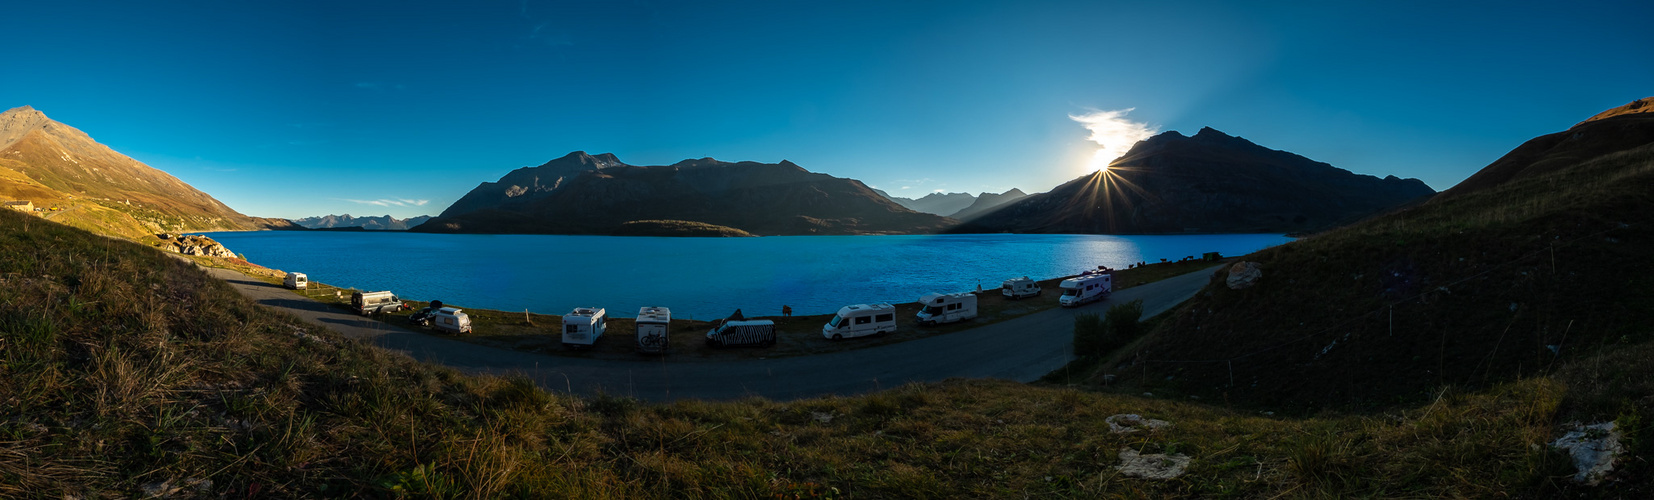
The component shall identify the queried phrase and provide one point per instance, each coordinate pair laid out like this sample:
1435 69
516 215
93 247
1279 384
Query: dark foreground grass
126 373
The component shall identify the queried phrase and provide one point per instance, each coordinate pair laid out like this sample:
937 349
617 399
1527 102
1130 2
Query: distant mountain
941 204
987 202
598 194
524 185
1211 182
52 165
376 223
1612 130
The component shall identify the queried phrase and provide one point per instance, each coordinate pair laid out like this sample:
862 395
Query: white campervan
1085 288
296 281
583 326
451 320
654 328
939 308
1017 288
367 303
861 320
728 333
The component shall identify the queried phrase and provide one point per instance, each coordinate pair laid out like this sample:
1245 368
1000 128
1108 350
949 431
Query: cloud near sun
1112 131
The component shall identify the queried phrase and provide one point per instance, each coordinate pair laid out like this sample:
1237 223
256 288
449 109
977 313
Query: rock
1594 448
1151 466
193 245
823 417
1244 274
1127 423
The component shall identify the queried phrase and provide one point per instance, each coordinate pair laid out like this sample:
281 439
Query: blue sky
292 109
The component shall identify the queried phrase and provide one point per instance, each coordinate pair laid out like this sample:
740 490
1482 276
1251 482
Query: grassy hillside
126 372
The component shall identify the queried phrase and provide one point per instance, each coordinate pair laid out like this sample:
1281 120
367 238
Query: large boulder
192 245
1244 274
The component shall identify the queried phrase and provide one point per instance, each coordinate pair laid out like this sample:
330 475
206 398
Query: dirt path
1021 349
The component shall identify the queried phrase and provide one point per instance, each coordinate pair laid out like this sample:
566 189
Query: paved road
1021 349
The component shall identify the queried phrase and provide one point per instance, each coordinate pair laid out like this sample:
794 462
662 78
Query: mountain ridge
585 194
1210 182
53 164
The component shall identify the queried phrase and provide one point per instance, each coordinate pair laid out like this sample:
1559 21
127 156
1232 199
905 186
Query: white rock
1151 466
1594 448
1244 274
1126 423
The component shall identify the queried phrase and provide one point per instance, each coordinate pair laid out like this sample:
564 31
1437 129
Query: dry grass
125 372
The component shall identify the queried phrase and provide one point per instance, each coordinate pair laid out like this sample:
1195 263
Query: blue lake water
701 278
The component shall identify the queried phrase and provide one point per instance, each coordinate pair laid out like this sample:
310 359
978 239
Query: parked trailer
861 320
939 308
296 281
654 325
451 320
367 303
1086 288
583 326
1018 288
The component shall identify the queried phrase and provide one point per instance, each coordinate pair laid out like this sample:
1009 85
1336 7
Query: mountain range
1211 182
959 206
597 194
77 181
369 222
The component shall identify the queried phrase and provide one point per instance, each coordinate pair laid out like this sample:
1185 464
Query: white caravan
583 326
367 303
1085 288
451 320
939 308
296 281
1017 288
861 320
654 326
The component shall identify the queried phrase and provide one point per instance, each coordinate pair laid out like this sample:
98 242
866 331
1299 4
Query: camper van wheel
838 337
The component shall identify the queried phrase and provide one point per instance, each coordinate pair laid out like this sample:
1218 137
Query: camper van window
862 320
1071 292
448 320
836 322
934 309
571 329
885 317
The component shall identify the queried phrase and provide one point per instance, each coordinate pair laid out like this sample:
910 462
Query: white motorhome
367 303
451 320
1086 288
583 326
296 281
861 320
654 328
939 308
1017 288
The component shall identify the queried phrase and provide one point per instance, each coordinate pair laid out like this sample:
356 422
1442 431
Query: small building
20 205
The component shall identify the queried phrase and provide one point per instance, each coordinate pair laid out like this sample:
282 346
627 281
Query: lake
700 278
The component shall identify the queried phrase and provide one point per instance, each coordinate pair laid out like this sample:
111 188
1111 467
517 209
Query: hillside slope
1589 139
127 373
581 194
1211 183
54 165
1475 288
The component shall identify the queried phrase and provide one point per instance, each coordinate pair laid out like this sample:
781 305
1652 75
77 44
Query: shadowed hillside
1483 285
